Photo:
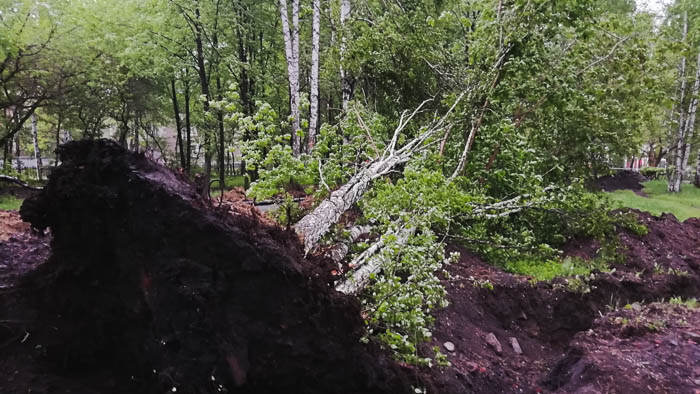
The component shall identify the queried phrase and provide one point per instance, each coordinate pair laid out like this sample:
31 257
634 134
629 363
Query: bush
653 173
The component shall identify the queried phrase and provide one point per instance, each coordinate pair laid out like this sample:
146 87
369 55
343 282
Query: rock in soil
492 341
516 346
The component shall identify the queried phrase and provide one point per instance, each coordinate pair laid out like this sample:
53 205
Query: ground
655 198
633 329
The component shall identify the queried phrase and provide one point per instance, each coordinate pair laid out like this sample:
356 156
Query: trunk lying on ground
149 282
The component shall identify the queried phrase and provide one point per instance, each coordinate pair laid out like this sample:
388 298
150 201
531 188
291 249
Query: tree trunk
674 182
188 127
37 151
178 123
370 262
692 111
346 87
291 50
316 224
204 83
315 34
697 170
6 154
58 137
18 152
222 142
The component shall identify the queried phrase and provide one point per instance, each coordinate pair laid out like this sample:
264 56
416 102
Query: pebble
516 345
449 346
493 342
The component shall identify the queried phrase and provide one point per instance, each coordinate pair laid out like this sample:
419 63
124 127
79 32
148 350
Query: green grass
683 205
10 203
550 269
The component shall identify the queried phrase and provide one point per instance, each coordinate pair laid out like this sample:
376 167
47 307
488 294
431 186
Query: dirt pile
149 289
623 179
10 224
639 349
543 318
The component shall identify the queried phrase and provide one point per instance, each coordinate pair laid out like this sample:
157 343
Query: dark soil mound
543 318
149 289
624 179
652 349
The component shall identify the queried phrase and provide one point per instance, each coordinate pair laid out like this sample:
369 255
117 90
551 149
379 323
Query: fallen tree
18 182
312 227
149 282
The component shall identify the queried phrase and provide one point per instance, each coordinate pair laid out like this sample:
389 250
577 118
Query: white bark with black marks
291 51
315 47
37 151
345 10
312 227
674 182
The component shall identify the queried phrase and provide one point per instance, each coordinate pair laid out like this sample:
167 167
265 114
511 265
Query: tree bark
346 86
291 50
188 127
315 38
222 142
674 182
18 152
316 224
58 136
178 123
370 262
37 151
690 122
204 83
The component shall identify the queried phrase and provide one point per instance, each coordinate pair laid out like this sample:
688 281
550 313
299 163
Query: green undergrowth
551 269
683 205
10 203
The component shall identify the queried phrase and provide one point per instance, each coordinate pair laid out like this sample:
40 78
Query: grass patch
550 269
10 203
683 205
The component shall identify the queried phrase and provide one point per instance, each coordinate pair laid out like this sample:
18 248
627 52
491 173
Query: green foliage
10 203
653 173
690 303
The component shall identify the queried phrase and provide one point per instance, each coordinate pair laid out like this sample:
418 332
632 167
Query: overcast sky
652 5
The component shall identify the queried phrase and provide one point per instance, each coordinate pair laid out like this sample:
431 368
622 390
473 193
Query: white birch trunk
37 152
316 224
370 262
315 39
690 122
346 89
291 51
674 182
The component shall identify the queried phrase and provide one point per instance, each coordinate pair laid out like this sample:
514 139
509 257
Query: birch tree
345 9
690 123
674 182
291 51
37 151
315 41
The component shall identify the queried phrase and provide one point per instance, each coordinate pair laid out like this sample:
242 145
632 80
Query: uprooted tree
177 295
